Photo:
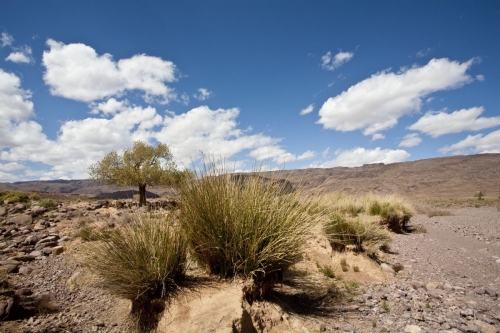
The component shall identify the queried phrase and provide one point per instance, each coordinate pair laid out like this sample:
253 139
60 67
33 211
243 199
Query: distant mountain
457 176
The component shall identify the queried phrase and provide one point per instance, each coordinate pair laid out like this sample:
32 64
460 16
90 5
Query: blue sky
294 84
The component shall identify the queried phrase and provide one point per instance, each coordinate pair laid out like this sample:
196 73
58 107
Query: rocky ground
448 280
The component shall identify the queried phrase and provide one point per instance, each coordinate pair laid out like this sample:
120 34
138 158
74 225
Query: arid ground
443 276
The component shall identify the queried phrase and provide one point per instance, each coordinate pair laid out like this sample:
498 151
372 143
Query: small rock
434 285
485 250
387 268
57 250
412 329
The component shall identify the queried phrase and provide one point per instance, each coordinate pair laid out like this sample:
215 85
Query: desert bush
479 195
48 204
15 197
438 212
244 228
364 232
326 270
143 261
394 211
34 196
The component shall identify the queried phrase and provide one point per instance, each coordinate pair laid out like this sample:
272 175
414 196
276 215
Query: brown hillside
457 176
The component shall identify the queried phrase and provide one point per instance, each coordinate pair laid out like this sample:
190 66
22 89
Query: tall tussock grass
143 261
244 226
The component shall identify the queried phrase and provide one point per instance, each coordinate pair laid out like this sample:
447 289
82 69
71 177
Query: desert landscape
440 274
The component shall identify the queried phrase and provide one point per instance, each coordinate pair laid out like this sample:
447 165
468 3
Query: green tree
141 166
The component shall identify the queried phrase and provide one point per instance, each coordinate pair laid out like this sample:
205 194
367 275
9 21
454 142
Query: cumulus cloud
203 94
410 140
440 123
330 63
376 103
6 39
475 144
480 77
11 167
76 71
359 156
21 55
307 110
15 102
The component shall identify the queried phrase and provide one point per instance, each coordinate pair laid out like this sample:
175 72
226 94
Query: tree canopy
142 165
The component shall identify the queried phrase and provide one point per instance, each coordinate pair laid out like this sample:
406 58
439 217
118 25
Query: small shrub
355 268
479 195
15 197
144 262
34 196
363 231
385 307
438 212
244 226
397 267
48 204
344 265
327 271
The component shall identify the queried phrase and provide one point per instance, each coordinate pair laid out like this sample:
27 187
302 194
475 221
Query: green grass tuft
244 226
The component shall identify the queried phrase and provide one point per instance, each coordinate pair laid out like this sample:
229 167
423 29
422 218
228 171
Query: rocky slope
447 280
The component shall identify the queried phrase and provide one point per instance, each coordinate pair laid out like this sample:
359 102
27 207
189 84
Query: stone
434 285
24 270
32 239
57 250
387 268
21 219
485 250
3 211
37 210
484 327
24 258
490 292
9 303
412 329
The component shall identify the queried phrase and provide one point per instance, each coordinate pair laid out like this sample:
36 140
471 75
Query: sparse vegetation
327 271
48 204
438 212
15 197
344 265
364 232
143 261
244 226
385 306
355 268
479 195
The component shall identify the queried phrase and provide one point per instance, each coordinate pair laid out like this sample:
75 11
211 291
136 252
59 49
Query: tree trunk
142 195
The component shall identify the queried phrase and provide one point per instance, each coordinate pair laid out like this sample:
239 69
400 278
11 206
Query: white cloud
11 167
6 39
330 64
76 71
185 99
480 77
359 156
475 144
410 140
307 110
440 123
114 126
423 53
203 94
15 103
377 136
21 55
306 155
376 103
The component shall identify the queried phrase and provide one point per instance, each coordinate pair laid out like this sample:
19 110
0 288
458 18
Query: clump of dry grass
394 211
143 261
244 226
